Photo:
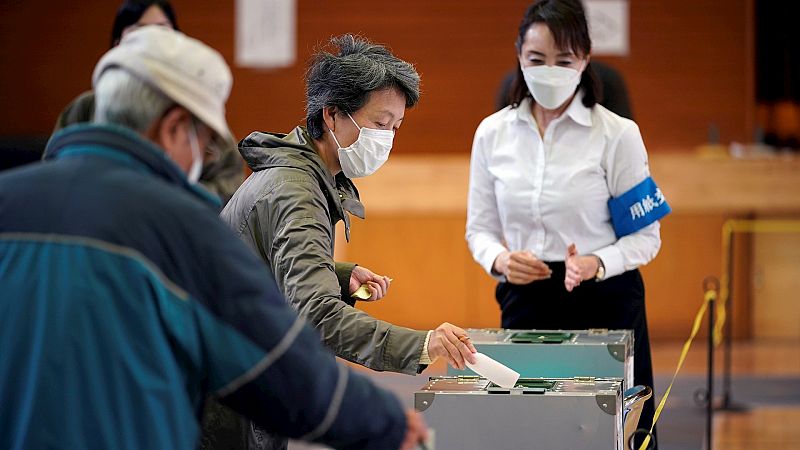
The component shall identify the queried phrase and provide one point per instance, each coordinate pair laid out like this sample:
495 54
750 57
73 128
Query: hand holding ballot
494 371
453 343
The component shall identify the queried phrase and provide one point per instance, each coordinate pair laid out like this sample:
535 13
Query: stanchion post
710 381
728 350
710 290
727 402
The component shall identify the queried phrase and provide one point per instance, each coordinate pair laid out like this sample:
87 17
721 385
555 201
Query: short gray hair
123 99
346 79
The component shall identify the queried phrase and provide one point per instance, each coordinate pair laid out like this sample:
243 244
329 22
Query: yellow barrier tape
728 228
765 226
742 226
698 320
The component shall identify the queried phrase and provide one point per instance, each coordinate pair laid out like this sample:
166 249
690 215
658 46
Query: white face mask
551 86
197 157
367 154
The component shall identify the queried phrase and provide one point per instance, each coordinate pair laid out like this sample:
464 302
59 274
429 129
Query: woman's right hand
521 267
451 342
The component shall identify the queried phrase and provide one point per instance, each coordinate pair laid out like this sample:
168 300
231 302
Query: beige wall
776 285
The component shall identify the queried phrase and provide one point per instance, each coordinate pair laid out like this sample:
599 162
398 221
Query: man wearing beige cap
125 302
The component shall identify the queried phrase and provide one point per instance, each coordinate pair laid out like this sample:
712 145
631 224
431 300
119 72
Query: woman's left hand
377 285
578 267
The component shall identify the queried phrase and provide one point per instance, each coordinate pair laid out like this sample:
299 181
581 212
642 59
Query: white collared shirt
528 192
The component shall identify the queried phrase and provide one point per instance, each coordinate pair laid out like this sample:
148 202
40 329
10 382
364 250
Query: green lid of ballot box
558 353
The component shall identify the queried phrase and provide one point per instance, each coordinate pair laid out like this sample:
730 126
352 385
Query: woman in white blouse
542 174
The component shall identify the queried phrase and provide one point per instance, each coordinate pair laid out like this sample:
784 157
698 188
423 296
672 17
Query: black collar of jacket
124 140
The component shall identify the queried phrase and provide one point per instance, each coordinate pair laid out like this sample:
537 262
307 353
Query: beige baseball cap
184 69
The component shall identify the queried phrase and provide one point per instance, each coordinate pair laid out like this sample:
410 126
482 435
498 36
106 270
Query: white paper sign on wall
608 26
266 33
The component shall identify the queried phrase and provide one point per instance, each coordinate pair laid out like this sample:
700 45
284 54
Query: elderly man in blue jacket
125 302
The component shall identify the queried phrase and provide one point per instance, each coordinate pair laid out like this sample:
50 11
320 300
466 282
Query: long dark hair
567 22
132 10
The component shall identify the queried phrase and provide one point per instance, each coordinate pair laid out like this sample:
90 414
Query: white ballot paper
493 371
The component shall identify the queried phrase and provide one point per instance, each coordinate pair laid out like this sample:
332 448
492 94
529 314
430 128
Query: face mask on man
197 156
551 86
367 154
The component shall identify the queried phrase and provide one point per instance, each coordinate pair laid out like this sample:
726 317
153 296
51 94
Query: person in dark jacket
221 174
126 302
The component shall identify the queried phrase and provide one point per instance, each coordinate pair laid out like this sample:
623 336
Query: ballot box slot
527 337
523 386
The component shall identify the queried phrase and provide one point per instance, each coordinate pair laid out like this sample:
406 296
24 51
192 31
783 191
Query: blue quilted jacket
125 302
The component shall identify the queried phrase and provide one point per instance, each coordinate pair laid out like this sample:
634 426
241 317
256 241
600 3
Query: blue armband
637 208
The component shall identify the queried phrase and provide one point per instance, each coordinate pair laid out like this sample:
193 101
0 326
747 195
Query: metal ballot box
558 353
471 413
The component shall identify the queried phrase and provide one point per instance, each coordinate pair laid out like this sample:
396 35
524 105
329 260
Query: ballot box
471 413
558 353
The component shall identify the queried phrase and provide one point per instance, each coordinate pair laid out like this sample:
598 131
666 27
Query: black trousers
614 303
225 429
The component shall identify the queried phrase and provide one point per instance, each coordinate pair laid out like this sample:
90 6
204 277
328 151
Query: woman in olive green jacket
300 188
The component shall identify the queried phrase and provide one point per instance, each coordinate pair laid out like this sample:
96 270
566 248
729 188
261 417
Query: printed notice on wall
608 26
266 33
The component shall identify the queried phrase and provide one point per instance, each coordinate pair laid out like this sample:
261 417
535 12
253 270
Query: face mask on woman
551 86
367 154
197 157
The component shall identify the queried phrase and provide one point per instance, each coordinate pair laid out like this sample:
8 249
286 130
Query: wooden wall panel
436 279
414 232
690 63
776 285
47 55
691 251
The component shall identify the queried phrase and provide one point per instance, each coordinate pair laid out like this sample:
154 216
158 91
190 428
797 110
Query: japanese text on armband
637 208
